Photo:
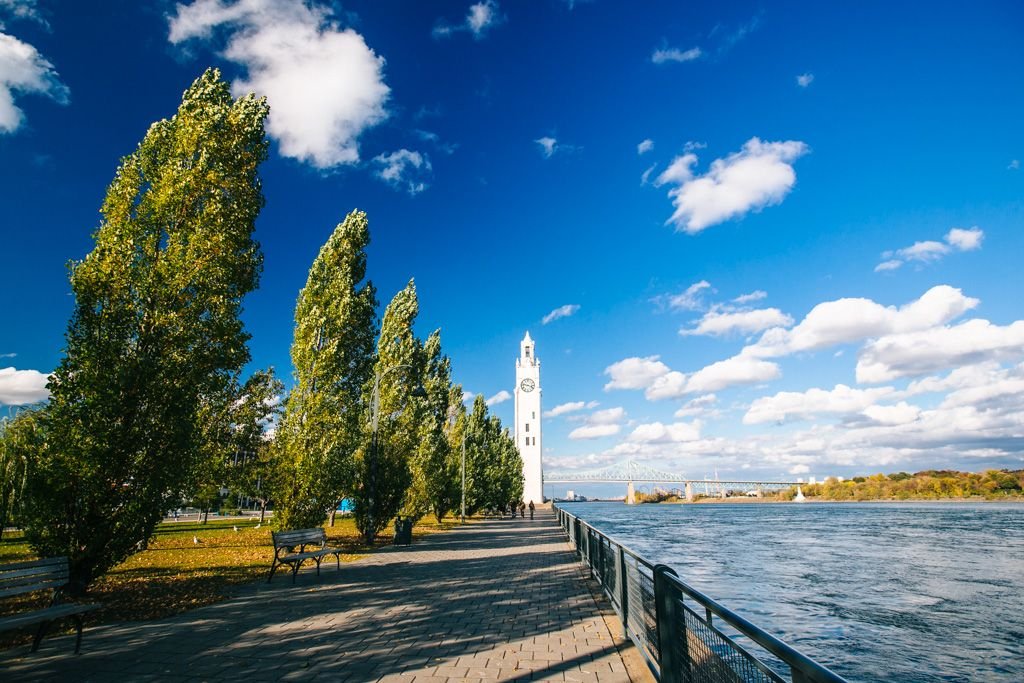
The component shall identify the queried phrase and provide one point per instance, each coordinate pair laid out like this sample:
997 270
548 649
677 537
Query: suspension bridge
631 472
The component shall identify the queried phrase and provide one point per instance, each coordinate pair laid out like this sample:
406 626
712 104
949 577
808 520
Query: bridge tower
528 420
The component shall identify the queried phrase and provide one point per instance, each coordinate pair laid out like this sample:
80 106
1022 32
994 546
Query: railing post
672 663
620 571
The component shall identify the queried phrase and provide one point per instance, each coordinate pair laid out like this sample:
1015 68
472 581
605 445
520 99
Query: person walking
531 509
522 510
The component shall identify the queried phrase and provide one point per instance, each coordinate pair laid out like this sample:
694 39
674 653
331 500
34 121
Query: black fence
685 636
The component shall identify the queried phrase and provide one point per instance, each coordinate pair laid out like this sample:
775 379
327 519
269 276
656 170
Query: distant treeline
926 485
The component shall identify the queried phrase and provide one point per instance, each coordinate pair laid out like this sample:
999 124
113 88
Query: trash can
403 531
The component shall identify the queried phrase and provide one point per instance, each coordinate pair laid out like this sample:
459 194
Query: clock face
527 385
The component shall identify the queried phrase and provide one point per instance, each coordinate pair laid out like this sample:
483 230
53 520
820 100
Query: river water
903 592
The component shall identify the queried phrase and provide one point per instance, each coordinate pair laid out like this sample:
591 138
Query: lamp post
418 392
463 476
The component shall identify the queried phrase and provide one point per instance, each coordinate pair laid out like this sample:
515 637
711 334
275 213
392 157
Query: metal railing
685 636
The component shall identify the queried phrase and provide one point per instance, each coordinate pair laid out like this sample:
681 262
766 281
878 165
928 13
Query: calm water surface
876 591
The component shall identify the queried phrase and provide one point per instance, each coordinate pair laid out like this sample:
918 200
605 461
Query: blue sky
769 239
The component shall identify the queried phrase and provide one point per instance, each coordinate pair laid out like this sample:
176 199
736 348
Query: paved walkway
499 600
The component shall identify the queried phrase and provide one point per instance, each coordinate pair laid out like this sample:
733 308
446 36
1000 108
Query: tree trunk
263 510
334 512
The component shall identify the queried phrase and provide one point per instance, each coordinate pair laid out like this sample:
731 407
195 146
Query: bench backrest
297 537
28 577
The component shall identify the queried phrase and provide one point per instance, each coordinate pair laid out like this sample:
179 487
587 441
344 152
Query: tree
155 332
494 468
234 443
249 473
333 355
432 474
20 443
384 473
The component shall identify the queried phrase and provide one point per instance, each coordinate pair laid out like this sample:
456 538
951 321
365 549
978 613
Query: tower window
534 415
527 426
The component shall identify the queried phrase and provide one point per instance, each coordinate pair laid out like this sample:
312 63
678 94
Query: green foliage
321 430
927 485
155 335
250 472
494 468
384 472
20 444
235 448
431 464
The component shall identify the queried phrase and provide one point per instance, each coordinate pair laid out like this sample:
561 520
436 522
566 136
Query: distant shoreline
812 501
816 501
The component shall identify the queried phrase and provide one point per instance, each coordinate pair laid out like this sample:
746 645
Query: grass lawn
176 574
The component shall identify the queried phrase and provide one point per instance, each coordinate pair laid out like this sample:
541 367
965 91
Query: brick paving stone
499 600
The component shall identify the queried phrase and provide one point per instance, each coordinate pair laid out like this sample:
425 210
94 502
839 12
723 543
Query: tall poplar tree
384 473
155 331
333 354
430 462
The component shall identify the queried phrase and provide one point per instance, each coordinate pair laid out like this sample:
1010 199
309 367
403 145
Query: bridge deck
498 600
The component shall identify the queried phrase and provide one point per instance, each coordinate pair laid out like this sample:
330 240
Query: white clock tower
528 433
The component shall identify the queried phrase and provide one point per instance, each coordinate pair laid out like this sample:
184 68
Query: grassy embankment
175 574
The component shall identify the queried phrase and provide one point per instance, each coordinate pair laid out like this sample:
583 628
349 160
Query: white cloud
548 146
891 264
702 405
670 385
730 372
606 416
21 387
917 352
854 319
594 431
1014 165
674 54
930 251
8 355
656 432
646 175
403 169
965 240
757 176
753 296
23 71
691 299
325 86
499 397
634 373
718 323
21 10
570 407
660 382
468 396
560 312
842 400
645 146
480 18
901 413
804 80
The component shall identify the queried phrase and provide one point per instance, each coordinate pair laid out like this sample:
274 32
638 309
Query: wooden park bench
50 574
286 542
